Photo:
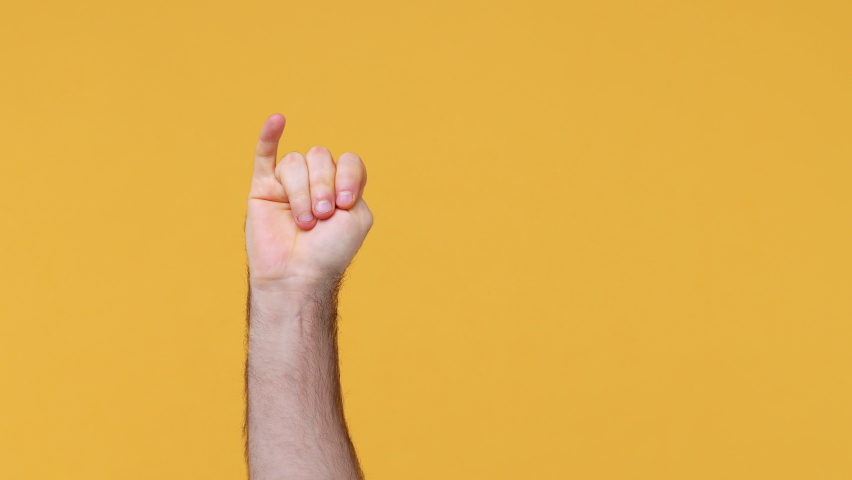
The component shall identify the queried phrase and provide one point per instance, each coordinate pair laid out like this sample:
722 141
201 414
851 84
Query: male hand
306 218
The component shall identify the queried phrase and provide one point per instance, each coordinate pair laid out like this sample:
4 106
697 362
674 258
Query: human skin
306 220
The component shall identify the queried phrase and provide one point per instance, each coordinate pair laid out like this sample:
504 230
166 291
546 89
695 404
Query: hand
306 218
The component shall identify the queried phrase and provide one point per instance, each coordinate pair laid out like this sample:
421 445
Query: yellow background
612 239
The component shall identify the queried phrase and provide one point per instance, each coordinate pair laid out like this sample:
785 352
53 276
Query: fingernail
344 198
324 206
305 217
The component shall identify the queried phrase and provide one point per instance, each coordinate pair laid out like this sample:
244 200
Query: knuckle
350 157
292 158
318 150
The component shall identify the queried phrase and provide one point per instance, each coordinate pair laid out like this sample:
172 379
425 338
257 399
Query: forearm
296 428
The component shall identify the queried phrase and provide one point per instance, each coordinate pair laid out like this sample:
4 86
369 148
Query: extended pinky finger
349 181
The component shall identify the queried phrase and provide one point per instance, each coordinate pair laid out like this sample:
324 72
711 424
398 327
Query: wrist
296 277
292 298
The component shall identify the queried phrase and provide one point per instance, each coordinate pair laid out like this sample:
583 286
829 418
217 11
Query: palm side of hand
306 219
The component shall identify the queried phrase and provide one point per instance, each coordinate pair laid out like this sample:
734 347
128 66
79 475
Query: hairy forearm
295 423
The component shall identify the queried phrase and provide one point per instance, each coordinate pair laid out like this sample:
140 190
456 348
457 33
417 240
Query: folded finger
321 174
349 181
292 172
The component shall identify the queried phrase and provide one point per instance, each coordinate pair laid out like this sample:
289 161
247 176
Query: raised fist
306 216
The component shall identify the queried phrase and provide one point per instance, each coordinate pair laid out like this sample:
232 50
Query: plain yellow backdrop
612 239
